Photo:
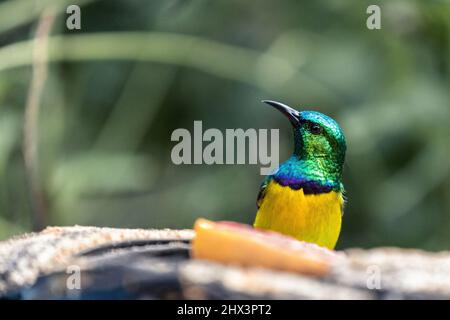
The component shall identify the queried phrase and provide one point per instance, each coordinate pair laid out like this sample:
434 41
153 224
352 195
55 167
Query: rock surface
155 264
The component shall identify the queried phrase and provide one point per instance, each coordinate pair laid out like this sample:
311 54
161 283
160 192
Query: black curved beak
292 114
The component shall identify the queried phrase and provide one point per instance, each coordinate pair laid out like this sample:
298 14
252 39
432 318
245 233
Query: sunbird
303 198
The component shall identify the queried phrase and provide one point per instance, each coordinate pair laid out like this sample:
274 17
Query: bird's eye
315 128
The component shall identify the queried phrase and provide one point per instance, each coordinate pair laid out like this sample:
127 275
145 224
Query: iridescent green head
319 141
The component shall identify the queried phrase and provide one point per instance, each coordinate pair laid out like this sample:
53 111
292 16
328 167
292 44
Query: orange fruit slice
235 243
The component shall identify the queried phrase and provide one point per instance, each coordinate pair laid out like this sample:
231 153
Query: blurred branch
18 12
219 59
30 130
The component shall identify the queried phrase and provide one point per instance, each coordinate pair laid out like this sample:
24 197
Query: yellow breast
312 217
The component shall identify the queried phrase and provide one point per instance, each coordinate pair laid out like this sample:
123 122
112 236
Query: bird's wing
344 199
262 191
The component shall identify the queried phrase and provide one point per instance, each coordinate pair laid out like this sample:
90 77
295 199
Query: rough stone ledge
24 258
155 264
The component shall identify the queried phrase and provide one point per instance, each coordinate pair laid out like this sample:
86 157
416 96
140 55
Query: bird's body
304 197
313 218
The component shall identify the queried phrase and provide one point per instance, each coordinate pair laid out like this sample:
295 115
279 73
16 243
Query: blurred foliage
140 69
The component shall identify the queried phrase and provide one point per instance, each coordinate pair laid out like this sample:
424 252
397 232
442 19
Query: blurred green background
116 89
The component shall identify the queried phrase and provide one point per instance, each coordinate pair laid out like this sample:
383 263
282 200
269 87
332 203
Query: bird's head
317 136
